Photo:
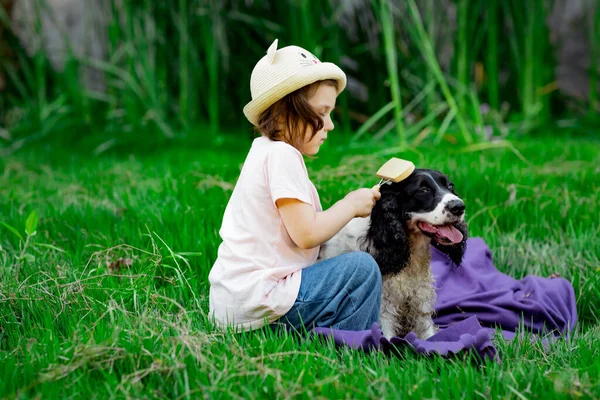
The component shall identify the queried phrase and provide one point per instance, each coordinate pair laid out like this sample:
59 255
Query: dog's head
423 205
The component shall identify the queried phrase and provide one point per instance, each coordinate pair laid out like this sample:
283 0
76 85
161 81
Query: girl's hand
363 200
309 229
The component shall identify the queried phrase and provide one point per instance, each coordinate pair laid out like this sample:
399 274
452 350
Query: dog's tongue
447 231
450 233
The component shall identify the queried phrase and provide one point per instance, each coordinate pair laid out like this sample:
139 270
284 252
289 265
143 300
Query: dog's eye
424 189
450 186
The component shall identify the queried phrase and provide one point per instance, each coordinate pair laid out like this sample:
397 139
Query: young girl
274 224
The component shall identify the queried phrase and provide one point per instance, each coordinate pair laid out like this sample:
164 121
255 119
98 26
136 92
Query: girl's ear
387 238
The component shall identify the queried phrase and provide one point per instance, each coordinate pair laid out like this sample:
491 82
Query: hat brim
306 76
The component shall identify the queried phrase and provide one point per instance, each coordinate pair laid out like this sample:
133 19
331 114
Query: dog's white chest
407 302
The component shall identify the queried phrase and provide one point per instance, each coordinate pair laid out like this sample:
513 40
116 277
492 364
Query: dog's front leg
424 327
387 319
431 330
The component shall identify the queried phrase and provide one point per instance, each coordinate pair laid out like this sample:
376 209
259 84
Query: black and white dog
411 215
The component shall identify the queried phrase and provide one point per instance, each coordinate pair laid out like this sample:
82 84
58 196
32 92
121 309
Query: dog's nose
456 207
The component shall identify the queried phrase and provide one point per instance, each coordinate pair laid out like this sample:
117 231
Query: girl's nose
328 125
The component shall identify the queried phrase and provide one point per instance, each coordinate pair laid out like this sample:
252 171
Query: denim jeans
342 292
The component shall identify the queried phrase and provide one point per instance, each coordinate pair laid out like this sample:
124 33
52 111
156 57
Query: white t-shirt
258 269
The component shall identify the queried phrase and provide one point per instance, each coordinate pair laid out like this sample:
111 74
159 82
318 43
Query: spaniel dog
412 215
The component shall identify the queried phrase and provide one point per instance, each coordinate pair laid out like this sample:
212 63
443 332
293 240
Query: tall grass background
177 68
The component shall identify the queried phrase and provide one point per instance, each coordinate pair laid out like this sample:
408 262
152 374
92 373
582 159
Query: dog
410 216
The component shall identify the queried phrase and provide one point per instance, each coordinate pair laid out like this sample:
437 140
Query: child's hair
297 114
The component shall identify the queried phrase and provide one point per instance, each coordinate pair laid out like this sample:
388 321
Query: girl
274 224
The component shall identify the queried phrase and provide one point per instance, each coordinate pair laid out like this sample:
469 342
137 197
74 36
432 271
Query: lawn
109 297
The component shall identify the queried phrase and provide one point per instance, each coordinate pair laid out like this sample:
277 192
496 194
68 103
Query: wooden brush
395 170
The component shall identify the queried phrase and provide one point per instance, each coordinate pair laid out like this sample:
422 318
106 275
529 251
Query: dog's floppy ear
457 251
387 238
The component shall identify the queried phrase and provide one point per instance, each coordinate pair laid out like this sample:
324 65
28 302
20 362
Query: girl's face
323 102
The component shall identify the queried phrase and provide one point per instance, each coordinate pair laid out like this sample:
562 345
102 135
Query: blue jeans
342 292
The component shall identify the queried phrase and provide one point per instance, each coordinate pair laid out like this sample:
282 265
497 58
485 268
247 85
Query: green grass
109 297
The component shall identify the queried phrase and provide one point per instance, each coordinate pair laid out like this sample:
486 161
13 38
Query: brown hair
297 114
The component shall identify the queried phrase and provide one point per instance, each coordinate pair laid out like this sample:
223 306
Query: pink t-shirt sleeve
287 176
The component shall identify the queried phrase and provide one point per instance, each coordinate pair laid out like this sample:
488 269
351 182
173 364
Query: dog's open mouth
443 234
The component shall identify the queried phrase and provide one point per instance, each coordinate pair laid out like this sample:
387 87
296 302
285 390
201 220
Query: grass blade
387 26
432 63
492 55
373 120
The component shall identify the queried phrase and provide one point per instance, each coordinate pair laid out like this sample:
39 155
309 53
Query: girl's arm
309 229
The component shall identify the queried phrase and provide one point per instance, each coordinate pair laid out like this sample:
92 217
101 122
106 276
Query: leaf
13 230
31 223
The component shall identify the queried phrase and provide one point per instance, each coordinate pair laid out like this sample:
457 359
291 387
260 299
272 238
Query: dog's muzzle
456 207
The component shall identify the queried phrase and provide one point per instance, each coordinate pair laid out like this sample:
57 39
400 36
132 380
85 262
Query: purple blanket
472 301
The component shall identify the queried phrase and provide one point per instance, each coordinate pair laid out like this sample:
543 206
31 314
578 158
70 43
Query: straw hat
280 72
